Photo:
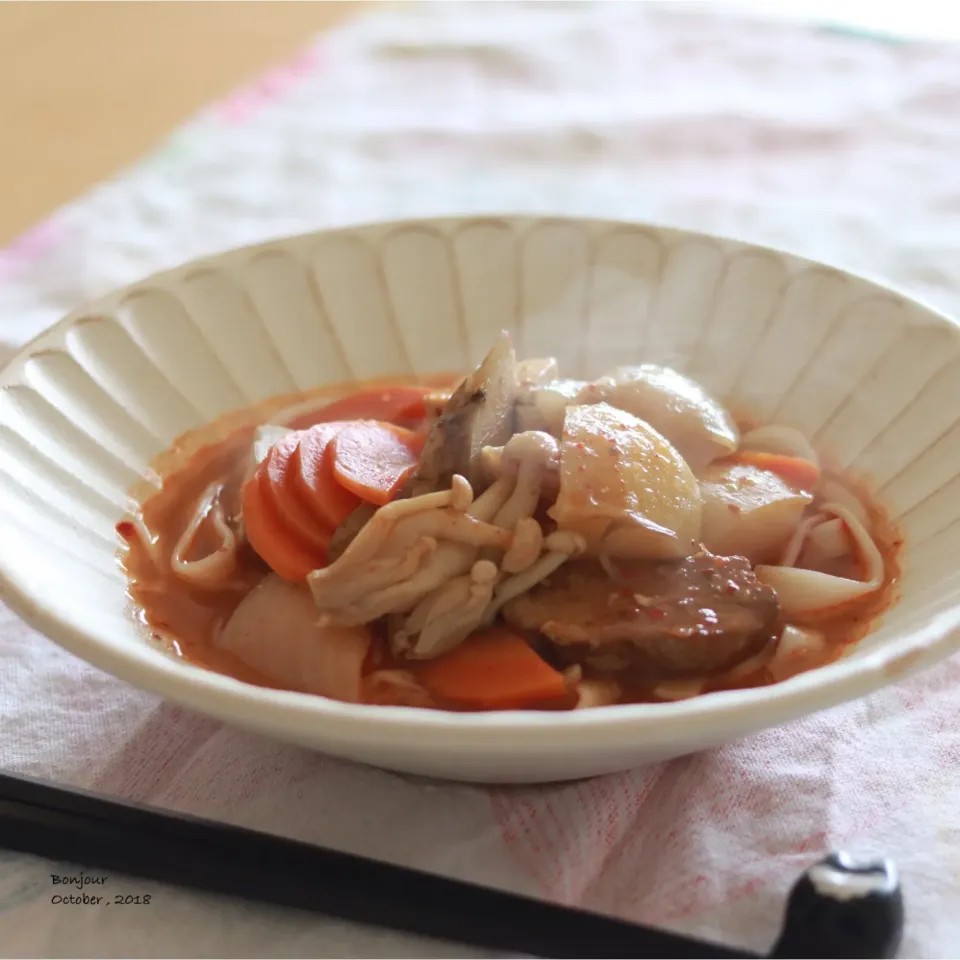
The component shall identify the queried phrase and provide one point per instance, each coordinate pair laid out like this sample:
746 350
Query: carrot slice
370 458
493 670
402 402
314 479
277 546
794 470
288 500
398 484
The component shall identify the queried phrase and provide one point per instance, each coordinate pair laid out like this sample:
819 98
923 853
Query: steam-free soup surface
508 539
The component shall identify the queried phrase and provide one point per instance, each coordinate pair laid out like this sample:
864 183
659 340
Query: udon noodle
509 539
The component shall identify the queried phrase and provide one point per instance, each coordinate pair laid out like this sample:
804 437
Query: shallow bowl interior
872 377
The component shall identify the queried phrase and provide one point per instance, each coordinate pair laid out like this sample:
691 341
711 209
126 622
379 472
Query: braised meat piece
702 613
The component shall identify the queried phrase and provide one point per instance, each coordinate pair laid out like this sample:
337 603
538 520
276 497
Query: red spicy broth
185 620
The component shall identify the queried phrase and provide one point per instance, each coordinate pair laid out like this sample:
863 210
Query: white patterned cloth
845 148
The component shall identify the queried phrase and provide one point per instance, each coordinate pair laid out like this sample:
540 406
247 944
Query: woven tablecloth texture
841 147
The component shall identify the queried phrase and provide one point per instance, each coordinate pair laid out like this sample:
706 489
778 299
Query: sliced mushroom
479 414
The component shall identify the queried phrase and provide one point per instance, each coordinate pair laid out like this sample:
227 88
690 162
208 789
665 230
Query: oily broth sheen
184 620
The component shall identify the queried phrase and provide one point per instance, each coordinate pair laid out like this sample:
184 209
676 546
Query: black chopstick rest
842 907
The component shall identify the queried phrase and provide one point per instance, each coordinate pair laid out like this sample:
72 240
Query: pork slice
702 613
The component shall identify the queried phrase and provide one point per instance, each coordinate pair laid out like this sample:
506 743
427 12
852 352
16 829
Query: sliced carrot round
286 497
314 479
404 401
276 545
401 481
370 459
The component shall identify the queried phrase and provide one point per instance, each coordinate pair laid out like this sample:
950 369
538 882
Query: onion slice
828 541
798 649
215 569
832 491
803 593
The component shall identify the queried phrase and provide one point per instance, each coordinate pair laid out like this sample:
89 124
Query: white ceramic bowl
871 376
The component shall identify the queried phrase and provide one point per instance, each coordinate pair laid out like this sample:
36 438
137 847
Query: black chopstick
79 827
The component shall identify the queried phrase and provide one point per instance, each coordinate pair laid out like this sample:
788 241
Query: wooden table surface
86 88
